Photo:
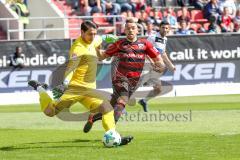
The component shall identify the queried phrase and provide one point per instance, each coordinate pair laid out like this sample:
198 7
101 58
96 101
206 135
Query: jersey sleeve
151 51
75 51
112 49
75 54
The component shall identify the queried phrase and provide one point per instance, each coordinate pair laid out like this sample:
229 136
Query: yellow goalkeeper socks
44 99
108 121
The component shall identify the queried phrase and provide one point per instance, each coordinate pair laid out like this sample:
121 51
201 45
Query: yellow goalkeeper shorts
89 98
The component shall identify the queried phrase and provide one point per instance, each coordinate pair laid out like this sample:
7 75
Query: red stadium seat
197 16
195 26
102 21
98 19
3 35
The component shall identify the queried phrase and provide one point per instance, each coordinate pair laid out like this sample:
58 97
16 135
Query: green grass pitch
177 128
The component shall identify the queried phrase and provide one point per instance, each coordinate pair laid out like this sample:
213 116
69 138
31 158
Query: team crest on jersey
141 46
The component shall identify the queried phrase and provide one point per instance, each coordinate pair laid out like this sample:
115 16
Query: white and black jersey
158 42
152 77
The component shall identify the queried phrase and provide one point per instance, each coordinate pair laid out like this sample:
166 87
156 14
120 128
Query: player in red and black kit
129 55
127 65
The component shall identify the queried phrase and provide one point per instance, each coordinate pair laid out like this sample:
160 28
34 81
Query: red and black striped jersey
129 57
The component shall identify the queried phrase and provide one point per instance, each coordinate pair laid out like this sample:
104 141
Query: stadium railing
44 29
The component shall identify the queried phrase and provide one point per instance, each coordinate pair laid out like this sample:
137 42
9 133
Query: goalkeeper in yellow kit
81 88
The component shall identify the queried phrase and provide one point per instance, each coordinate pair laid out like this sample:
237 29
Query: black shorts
124 86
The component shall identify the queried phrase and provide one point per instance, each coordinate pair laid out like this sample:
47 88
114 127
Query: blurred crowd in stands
186 16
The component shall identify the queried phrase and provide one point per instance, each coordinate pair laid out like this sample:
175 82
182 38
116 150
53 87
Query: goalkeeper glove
109 38
58 91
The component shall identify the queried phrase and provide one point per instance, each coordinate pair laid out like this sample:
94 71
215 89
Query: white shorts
150 78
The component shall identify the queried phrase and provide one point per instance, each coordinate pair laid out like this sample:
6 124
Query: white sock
40 89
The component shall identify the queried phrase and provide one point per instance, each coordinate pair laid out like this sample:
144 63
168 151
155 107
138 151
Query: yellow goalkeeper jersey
85 73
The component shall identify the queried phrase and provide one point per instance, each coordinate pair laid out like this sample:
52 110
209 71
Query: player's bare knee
49 112
122 100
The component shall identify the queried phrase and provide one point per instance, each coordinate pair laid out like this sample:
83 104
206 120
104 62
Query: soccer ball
111 138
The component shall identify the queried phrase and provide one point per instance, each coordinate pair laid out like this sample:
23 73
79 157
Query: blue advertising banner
198 59
40 58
